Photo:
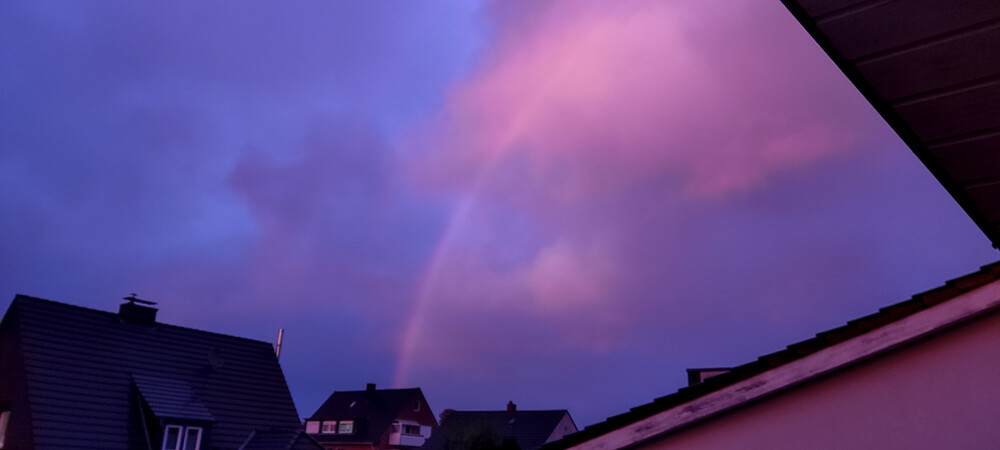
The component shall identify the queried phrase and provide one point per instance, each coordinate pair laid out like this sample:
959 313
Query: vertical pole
277 347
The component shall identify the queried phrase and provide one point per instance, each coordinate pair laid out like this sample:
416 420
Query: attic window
176 437
416 405
345 427
4 420
329 427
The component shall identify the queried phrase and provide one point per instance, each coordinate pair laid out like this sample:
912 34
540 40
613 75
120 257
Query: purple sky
563 204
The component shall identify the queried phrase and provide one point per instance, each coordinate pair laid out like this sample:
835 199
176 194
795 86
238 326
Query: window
172 437
329 427
345 427
412 430
312 427
176 437
192 438
4 420
416 405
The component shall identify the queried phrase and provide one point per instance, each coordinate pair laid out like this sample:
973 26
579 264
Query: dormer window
176 437
345 427
329 427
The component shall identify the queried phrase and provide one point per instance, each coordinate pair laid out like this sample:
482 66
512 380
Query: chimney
137 311
511 406
370 388
698 376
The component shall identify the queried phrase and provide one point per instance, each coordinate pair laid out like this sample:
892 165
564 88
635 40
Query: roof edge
112 314
896 122
959 300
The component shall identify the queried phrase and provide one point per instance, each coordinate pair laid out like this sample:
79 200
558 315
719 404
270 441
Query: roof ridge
113 314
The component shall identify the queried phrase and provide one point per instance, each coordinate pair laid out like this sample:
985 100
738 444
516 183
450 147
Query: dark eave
931 68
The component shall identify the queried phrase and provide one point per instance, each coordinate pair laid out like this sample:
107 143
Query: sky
562 204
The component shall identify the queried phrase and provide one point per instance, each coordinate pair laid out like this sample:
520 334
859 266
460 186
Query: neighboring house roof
931 68
84 368
372 410
529 429
896 325
277 439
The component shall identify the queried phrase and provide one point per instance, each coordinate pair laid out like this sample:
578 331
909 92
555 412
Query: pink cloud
597 126
620 91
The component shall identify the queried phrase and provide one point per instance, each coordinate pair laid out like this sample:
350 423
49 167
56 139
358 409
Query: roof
277 439
530 429
372 410
931 68
962 296
81 366
172 399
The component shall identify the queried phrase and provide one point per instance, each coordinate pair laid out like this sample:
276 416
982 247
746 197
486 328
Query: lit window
176 437
4 419
312 427
345 427
329 427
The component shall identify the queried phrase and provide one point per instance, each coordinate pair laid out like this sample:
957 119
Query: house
372 418
73 377
918 374
528 430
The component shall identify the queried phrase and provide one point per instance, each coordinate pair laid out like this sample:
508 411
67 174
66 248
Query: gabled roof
931 68
372 410
84 369
923 315
530 429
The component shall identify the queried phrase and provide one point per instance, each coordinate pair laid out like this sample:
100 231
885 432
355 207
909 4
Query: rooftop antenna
133 300
277 346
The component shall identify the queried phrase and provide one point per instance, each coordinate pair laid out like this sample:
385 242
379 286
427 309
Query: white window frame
349 423
181 438
197 442
323 427
313 426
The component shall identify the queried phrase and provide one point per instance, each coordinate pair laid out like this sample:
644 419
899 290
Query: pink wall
943 392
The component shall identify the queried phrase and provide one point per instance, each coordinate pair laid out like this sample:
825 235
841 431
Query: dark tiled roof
372 411
277 439
171 399
80 365
529 429
888 314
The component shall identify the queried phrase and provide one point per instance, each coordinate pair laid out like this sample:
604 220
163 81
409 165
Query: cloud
623 91
611 135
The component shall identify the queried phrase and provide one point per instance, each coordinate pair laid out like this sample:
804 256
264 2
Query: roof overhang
931 68
908 329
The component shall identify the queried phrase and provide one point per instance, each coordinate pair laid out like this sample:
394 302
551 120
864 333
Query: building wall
13 390
942 392
565 426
